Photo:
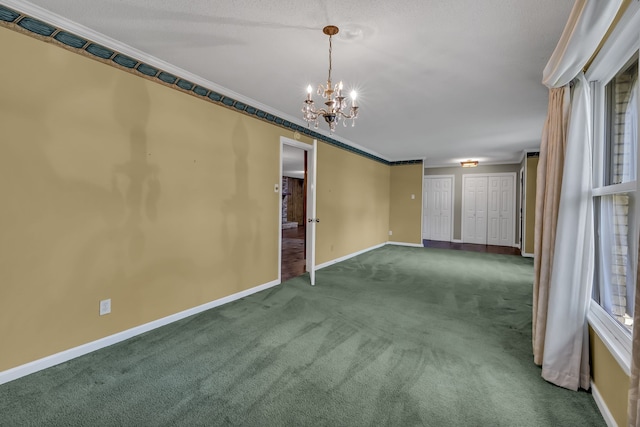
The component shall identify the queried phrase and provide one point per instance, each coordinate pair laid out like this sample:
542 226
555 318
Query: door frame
426 199
513 200
310 227
521 225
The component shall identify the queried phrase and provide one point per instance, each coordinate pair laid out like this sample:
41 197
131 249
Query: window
613 76
615 281
622 124
615 197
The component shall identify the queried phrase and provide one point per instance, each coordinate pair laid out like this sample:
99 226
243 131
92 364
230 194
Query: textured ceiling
440 80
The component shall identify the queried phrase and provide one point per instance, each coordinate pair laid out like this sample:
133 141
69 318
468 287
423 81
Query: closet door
475 210
438 211
507 210
500 225
493 211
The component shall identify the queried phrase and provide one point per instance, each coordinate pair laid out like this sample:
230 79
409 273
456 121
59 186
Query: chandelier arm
352 115
320 112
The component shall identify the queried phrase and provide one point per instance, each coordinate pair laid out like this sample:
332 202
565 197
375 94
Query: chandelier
336 105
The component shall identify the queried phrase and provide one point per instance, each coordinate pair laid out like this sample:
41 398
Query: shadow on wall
137 182
116 255
133 195
241 226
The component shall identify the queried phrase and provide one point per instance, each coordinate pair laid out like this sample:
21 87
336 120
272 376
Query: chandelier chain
330 49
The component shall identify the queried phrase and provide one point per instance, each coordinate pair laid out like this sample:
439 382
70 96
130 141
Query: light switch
413 196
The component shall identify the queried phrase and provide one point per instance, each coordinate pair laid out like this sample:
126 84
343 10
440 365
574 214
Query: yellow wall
118 187
530 203
612 382
405 214
353 203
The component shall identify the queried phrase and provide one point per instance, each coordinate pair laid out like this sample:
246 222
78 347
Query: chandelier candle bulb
354 95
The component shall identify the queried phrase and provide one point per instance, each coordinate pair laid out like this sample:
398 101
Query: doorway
521 212
293 257
297 210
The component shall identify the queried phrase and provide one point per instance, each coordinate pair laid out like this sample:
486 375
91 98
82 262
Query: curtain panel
566 344
549 183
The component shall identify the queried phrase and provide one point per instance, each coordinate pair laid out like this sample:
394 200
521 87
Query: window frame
622 44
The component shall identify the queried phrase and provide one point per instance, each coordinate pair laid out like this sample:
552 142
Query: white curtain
588 23
566 347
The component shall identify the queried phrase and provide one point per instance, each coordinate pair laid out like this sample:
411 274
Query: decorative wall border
43 31
406 162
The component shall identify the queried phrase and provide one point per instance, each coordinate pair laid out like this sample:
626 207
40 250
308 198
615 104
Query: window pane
622 125
614 287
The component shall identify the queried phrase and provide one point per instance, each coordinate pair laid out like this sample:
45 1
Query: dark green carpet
398 336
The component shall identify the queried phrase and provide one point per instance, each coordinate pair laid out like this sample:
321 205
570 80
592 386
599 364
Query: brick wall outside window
620 156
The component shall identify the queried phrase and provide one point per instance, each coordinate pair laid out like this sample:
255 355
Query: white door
438 210
312 220
489 209
501 210
493 211
475 209
506 210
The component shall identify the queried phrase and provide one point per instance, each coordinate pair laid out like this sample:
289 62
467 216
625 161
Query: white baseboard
604 409
413 245
526 255
346 257
456 240
72 353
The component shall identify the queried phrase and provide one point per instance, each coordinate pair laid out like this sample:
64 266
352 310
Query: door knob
317 219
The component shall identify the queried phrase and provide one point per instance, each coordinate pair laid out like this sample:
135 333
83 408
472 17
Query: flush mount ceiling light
335 102
469 164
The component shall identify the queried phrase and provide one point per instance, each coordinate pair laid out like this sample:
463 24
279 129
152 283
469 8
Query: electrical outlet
390 233
105 306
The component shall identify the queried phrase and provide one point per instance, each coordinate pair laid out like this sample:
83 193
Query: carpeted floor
398 336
